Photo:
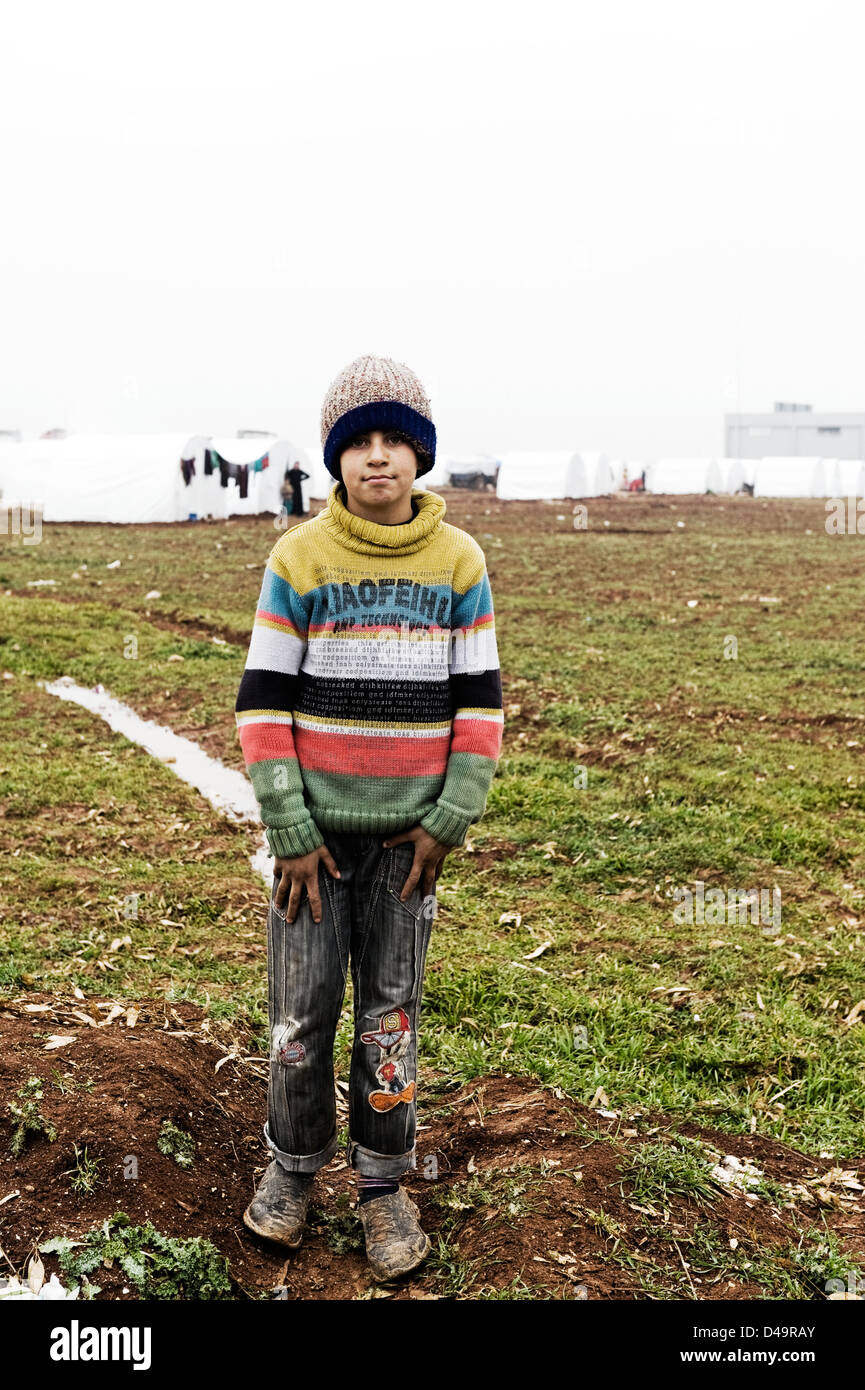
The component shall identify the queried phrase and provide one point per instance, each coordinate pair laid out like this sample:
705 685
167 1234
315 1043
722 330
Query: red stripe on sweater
279 619
481 736
475 622
262 741
371 755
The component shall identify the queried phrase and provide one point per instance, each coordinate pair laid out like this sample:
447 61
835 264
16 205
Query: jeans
362 920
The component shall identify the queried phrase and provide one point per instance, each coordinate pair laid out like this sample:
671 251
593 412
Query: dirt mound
525 1191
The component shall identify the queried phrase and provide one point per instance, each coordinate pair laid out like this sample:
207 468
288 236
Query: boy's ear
419 454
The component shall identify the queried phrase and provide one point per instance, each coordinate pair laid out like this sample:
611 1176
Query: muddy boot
395 1243
278 1209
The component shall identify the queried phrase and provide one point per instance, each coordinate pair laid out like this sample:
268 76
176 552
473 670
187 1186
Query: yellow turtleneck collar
371 538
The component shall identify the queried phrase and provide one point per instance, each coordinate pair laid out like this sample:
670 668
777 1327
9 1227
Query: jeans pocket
419 905
276 911
414 904
304 906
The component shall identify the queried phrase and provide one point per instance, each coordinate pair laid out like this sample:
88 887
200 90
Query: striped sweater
371 699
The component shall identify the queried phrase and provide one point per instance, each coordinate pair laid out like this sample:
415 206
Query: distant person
286 492
292 491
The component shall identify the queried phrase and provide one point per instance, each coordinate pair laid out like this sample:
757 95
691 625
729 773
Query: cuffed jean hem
302 1163
373 1165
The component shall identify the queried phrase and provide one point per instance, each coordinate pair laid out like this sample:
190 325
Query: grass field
684 703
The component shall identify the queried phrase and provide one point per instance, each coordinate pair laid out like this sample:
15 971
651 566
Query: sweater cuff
446 824
294 841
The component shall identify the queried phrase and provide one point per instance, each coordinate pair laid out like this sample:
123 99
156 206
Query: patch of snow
733 1172
14 1288
228 791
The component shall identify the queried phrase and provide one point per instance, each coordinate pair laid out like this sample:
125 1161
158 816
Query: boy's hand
429 855
300 873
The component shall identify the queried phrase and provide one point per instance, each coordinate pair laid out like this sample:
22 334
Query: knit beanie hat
376 393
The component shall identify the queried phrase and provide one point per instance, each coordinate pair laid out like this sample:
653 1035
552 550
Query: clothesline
237 472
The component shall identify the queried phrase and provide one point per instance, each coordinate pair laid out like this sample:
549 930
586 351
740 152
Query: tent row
527 476
534 476
139 478
796 476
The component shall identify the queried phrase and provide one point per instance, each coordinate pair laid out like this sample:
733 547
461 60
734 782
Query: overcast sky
585 225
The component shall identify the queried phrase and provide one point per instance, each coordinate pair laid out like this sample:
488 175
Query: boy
370 717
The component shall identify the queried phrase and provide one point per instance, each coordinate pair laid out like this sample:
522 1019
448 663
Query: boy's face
379 467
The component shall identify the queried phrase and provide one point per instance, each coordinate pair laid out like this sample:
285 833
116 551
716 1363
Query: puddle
228 791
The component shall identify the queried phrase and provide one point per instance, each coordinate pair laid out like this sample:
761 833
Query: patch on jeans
284 1048
392 1036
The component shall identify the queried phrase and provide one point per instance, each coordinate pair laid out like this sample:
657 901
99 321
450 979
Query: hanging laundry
187 468
236 472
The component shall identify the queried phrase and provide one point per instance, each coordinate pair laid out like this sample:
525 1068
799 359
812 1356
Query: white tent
448 464
13 486
736 472
582 483
97 477
617 472
320 480
138 478
826 474
624 471
598 477
205 495
846 478
793 476
531 476
684 475
264 486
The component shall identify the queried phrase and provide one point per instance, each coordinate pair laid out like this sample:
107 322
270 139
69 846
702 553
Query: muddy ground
555 1213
